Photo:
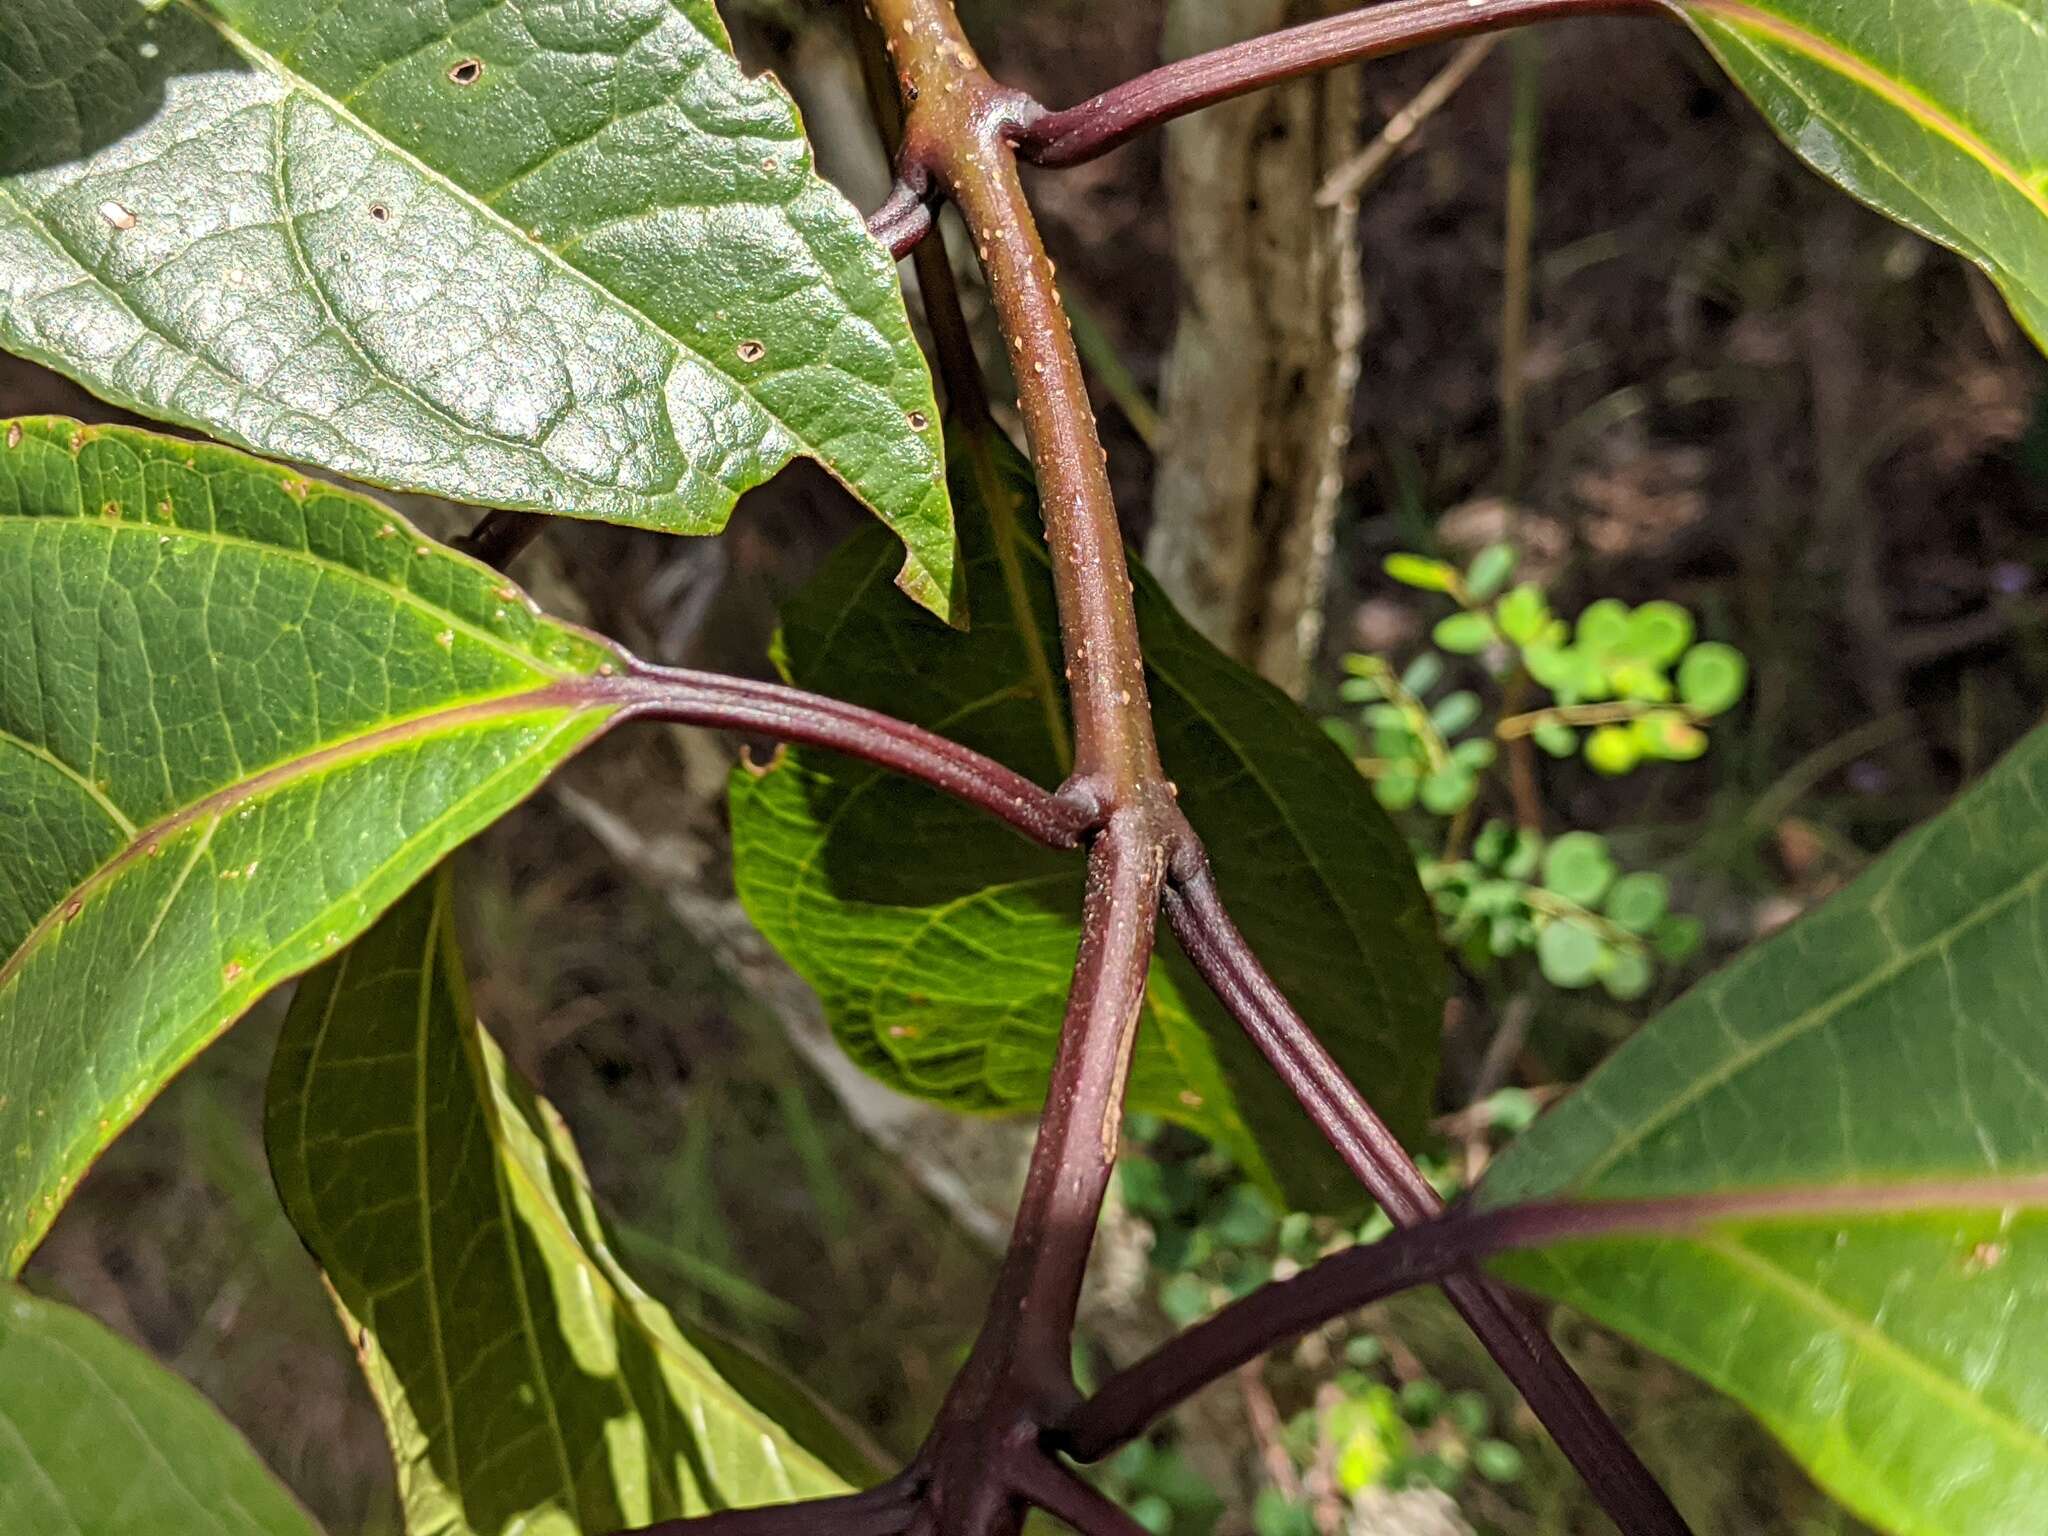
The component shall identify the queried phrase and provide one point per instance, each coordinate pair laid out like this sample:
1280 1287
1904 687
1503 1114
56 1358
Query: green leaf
1712 677
1578 867
1891 1040
1419 571
1463 634
1637 902
240 712
97 1439
942 943
1613 749
1931 111
1396 790
1569 953
1449 790
1627 974
1423 673
1455 711
1522 613
520 253
526 1382
1490 570
1666 734
1658 633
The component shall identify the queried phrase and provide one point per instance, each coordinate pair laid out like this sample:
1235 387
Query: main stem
960 138
958 131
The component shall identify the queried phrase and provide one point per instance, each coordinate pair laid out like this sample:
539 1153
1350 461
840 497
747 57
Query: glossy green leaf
509 251
1932 111
526 1382
1893 1038
942 943
240 712
97 1439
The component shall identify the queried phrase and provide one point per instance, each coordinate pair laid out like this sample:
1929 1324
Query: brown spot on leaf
752 351
14 434
467 71
232 972
919 421
379 212
116 215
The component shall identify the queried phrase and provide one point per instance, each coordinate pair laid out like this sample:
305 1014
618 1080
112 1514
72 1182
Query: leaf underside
1932 111
526 1382
514 252
240 712
1894 1037
942 944
97 1439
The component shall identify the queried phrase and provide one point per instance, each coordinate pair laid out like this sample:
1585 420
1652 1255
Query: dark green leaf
1931 111
942 943
1892 1039
97 1439
526 1381
519 253
240 712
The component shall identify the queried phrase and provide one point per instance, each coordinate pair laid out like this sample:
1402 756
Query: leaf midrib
1869 1336
565 695
1897 93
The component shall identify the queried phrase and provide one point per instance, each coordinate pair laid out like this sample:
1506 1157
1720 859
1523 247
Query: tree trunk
1258 386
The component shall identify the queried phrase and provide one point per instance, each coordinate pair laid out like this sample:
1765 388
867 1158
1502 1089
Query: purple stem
903 220
1051 1487
1617 1477
1101 123
789 714
884 1510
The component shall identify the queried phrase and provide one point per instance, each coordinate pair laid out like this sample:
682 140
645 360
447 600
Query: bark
1259 384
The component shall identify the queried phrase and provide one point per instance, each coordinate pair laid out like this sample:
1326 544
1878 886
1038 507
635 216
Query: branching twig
810 719
1049 1486
1101 123
903 220
1441 1248
1369 164
880 1511
1553 1390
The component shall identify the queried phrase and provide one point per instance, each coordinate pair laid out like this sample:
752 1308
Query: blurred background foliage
1587 311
